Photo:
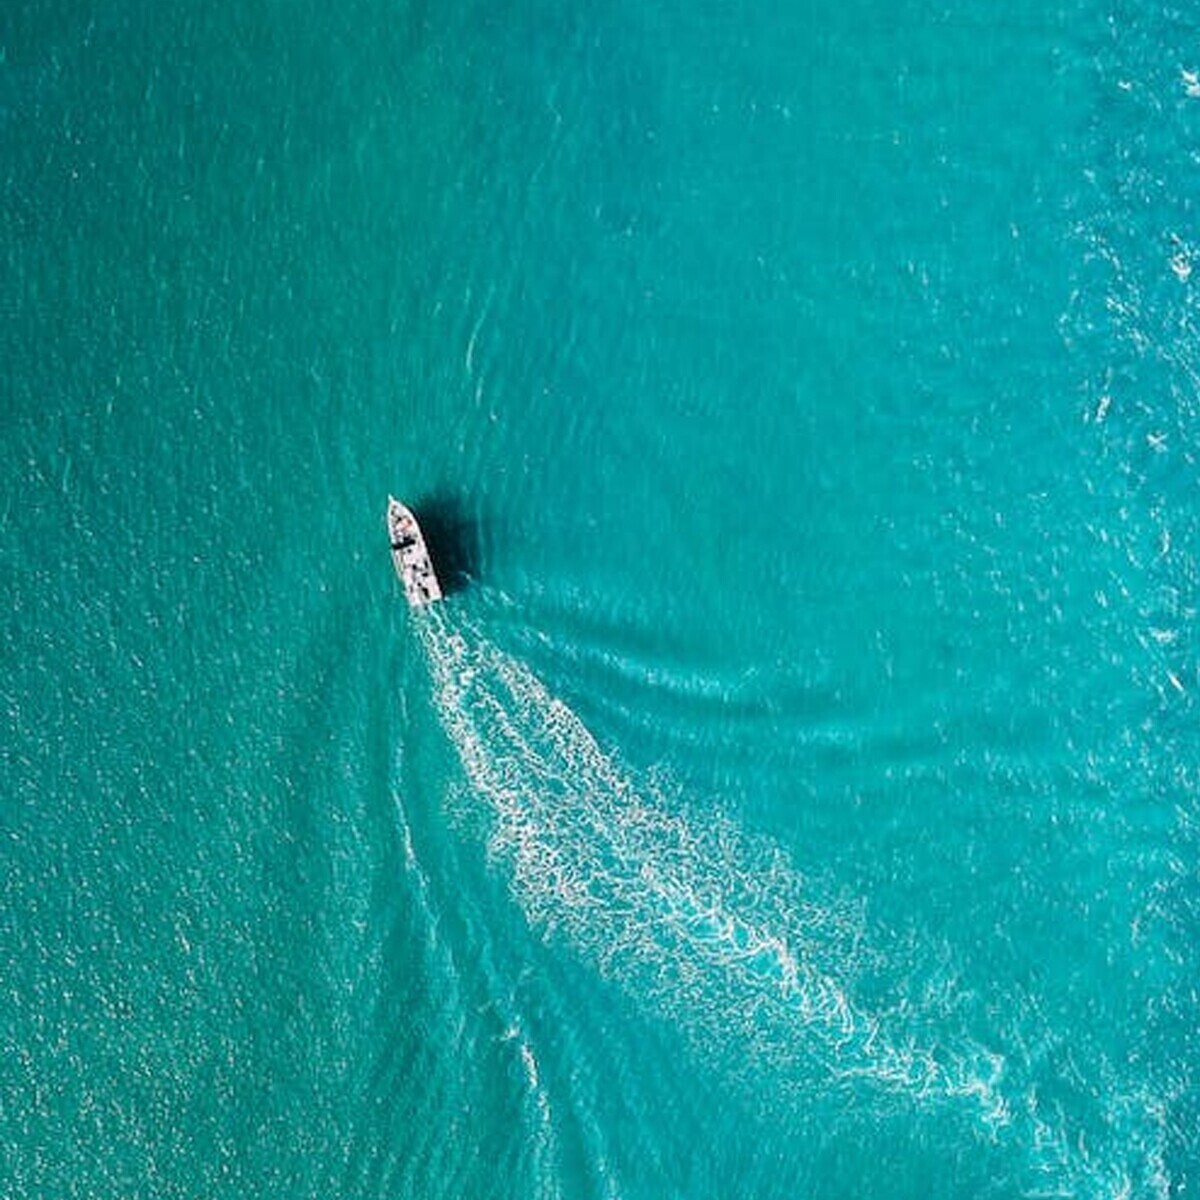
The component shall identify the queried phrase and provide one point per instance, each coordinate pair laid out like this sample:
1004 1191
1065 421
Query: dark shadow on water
453 540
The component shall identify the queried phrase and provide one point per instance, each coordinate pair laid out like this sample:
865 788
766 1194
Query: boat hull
410 555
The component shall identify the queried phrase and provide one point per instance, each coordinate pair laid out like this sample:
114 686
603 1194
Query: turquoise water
800 800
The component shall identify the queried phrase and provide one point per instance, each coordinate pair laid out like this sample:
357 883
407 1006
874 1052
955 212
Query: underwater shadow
453 539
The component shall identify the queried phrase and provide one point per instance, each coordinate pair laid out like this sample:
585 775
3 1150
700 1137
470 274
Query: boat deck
411 556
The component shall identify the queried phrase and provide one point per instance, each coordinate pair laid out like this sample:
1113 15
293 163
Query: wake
717 931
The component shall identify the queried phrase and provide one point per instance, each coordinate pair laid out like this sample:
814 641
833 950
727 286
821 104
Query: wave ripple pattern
716 930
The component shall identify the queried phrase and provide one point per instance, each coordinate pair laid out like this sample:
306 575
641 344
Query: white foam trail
545 1142
721 933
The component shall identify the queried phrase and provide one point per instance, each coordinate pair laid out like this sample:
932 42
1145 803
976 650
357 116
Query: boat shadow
453 540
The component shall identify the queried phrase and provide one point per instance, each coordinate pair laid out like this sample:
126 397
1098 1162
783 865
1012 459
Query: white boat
411 556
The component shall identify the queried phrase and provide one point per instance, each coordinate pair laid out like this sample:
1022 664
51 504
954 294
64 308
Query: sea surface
799 794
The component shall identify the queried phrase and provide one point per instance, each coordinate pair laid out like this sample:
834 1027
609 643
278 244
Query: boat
411 556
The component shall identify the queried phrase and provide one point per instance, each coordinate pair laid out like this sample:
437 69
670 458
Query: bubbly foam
719 932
